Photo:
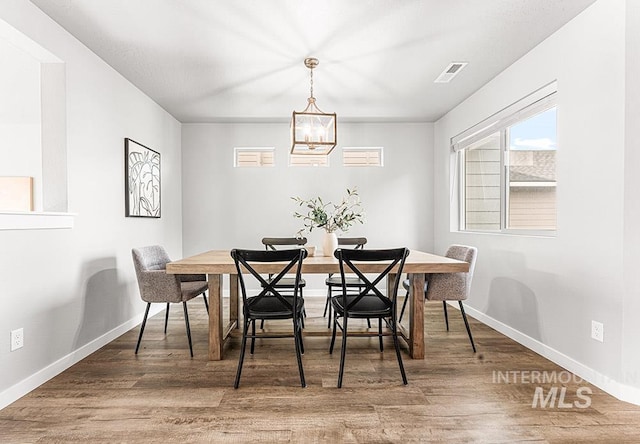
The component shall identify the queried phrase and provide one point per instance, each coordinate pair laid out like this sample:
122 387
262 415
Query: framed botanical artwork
142 180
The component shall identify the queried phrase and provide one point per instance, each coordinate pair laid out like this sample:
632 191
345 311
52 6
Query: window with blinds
254 157
362 156
308 160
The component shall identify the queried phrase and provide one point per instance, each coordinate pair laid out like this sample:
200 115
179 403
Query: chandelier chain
311 82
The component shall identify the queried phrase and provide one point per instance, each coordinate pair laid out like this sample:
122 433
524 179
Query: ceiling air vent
450 72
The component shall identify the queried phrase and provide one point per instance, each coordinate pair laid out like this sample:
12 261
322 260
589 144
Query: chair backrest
357 242
154 283
350 260
453 286
291 262
270 243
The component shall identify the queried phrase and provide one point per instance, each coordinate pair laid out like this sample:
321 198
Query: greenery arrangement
329 216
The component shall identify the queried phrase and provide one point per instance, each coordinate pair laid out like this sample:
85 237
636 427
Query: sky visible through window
536 133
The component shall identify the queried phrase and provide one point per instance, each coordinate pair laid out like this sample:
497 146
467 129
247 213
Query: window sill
35 220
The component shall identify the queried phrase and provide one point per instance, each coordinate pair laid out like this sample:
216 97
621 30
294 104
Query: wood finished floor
163 396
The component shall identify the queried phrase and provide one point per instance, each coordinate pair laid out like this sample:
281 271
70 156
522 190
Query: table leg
416 315
216 341
233 300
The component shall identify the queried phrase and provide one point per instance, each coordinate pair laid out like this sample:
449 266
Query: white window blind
362 156
254 157
309 160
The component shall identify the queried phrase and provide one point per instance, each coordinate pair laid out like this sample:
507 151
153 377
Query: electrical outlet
597 331
17 339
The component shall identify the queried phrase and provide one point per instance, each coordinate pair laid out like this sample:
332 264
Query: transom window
254 157
507 168
362 156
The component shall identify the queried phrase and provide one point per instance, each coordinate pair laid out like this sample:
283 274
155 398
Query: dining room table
218 263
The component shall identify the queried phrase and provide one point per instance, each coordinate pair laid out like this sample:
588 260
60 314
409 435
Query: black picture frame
142 180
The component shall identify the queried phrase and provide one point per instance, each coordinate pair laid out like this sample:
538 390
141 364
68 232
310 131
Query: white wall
546 291
72 290
631 308
226 207
20 153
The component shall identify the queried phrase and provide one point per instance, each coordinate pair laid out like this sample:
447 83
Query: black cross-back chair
336 281
270 303
369 302
271 244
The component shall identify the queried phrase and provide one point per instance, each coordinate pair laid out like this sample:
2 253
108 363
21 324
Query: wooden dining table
217 263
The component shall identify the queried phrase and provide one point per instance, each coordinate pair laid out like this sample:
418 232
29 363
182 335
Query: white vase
329 243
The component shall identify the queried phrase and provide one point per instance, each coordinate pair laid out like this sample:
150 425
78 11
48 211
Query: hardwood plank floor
162 395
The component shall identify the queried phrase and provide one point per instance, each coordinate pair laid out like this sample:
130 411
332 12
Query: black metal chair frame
270 303
358 243
349 305
270 244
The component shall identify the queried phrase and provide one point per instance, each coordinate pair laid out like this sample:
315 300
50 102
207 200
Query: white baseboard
615 388
32 382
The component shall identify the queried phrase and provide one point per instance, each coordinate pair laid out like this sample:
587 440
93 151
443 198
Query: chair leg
404 305
144 322
466 324
186 321
398 355
206 303
333 335
343 352
380 333
245 329
326 302
446 315
368 323
327 306
301 341
253 334
297 337
166 318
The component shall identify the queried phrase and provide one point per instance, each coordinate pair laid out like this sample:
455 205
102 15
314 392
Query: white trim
32 382
526 106
35 220
532 184
615 388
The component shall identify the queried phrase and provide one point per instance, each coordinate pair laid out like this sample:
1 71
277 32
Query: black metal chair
270 303
369 302
336 281
272 244
449 286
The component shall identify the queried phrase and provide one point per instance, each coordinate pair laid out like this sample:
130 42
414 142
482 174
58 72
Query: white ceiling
223 60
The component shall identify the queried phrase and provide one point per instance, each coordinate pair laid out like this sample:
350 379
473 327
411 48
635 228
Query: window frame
351 149
536 103
259 149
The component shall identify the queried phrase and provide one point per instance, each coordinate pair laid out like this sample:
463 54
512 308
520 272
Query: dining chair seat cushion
366 307
271 307
191 289
288 283
336 281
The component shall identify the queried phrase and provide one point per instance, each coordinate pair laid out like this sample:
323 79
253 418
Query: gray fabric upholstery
452 286
156 285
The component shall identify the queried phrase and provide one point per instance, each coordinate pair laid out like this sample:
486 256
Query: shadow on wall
515 304
105 301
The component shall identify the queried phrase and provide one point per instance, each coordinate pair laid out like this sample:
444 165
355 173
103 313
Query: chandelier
312 131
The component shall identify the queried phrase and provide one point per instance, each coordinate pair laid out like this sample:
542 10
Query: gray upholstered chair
450 286
156 286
